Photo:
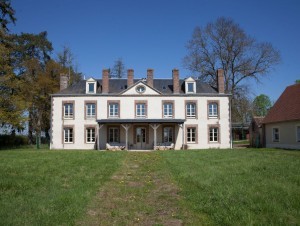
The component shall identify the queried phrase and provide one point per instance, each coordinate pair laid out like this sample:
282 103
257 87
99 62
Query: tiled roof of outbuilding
287 107
165 86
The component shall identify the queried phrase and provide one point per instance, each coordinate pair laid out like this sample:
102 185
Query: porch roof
139 120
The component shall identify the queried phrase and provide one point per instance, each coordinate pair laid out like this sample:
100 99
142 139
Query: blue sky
153 34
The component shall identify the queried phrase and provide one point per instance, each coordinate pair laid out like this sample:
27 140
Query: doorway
141 138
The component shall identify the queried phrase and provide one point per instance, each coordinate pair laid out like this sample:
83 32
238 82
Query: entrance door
141 138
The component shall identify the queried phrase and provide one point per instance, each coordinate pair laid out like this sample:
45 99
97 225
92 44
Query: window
168 134
275 134
213 110
113 134
90 135
191 134
91 87
68 110
298 133
113 110
191 110
90 110
168 110
213 134
140 110
190 86
140 89
68 135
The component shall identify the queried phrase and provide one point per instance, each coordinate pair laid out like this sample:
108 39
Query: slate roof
165 86
287 107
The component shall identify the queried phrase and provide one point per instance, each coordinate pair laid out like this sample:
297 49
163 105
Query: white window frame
213 134
115 135
168 110
141 110
68 135
68 110
168 134
188 85
213 110
90 135
191 133
191 110
274 133
89 110
113 110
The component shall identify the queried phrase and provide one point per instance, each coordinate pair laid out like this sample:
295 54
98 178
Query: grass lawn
205 187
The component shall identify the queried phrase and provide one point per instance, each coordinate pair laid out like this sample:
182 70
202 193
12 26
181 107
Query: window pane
190 87
298 133
213 109
91 88
68 110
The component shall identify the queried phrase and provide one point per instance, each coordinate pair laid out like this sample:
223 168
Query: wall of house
287 135
154 111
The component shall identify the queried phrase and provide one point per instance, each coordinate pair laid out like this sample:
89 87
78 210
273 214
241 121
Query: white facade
200 131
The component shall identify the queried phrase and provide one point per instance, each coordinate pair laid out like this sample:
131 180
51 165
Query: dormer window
91 86
190 85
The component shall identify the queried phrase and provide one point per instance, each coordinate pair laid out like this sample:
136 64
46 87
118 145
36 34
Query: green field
205 187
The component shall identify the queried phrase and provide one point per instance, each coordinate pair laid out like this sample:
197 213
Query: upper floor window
275 134
68 110
90 110
190 85
113 110
141 110
213 134
90 135
168 110
91 86
140 89
191 110
68 135
213 111
298 133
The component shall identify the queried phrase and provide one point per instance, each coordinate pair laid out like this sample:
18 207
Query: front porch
140 134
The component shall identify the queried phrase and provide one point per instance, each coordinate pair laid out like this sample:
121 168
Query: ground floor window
275 134
168 134
114 134
213 134
90 135
298 133
191 134
68 135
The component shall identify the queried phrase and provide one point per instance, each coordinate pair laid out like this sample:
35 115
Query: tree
224 44
7 15
118 70
297 81
261 105
66 60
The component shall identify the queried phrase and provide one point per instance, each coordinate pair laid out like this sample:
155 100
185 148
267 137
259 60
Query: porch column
98 136
182 134
155 127
126 127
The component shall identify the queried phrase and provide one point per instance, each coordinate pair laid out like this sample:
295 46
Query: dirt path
140 193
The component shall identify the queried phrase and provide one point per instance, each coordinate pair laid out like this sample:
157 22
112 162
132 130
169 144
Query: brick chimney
175 75
150 77
220 74
130 77
105 81
64 81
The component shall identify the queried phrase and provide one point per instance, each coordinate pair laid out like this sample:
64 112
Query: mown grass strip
51 187
239 187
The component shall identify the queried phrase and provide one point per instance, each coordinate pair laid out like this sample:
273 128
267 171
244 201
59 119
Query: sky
153 34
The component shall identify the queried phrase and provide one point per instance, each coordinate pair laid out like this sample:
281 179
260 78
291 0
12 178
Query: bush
12 141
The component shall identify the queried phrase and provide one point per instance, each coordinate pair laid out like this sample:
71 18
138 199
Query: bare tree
224 44
118 70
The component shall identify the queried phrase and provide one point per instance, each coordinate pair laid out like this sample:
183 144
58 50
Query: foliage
118 70
12 141
261 105
7 15
224 44
297 81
